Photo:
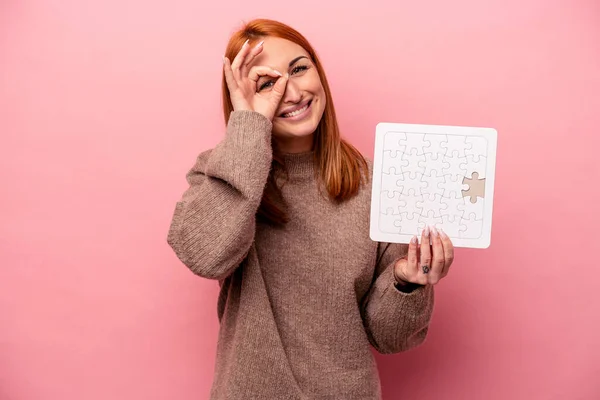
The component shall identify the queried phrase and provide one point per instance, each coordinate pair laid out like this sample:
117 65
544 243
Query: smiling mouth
296 112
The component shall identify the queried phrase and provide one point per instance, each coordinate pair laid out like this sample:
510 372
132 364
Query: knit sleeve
395 321
213 224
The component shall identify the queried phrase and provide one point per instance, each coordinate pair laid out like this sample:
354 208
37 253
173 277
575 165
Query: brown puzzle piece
476 187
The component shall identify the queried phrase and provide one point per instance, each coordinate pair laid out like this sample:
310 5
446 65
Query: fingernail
426 231
245 43
223 59
442 233
434 231
277 72
413 240
260 44
287 75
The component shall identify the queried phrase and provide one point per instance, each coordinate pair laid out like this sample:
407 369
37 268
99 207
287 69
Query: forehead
278 53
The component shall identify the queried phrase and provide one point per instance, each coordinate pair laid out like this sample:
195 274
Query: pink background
104 106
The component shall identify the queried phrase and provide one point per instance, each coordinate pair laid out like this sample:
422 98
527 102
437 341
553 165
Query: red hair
338 165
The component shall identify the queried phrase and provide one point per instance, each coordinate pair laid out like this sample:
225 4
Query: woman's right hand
242 83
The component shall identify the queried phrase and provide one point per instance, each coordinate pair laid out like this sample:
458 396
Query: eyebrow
295 60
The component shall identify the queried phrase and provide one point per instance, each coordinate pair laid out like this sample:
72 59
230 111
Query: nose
292 92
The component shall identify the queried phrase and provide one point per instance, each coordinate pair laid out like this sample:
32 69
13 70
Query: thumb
398 271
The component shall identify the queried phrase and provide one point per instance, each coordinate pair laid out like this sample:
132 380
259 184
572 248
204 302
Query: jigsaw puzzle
433 175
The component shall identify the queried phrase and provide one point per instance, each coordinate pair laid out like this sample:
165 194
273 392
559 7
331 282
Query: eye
265 85
299 68
296 70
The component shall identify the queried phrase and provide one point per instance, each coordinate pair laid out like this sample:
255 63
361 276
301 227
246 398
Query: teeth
294 113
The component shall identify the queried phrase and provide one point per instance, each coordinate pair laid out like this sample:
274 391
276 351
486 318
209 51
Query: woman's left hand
426 263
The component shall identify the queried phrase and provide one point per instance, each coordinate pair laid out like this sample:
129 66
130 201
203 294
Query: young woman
278 214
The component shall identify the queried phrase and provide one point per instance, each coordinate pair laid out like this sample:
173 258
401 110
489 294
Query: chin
295 132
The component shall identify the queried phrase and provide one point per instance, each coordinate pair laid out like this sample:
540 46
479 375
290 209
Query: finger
231 82
448 252
425 251
437 261
259 71
413 256
279 88
251 56
406 268
239 59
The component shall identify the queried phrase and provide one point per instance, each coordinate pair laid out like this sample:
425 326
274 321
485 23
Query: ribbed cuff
407 287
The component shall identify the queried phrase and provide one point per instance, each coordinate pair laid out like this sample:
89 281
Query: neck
295 145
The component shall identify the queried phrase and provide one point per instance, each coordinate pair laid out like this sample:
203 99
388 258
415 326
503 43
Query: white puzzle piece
433 175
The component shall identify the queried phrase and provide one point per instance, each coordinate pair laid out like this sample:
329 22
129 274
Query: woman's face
303 102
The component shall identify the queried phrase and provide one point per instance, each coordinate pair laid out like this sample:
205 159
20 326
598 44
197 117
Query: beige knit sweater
299 305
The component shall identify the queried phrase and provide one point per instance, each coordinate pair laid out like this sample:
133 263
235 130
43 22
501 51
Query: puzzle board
433 175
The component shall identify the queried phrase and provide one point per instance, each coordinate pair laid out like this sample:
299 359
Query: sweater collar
300 165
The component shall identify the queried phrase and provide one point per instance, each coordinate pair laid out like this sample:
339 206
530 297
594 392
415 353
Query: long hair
338 164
